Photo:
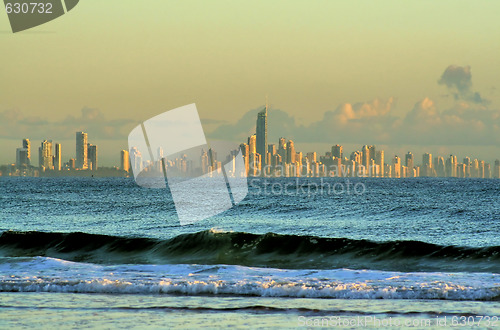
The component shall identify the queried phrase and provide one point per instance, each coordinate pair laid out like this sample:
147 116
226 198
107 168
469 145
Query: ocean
326 252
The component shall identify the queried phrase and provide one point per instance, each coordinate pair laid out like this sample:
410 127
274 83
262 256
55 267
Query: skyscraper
92 157
135 160
252 144
21 157
409 163
45 159
124 161
27 146
380 162
81 150
261 132
58 157
427 164
337 151
396 167
290 155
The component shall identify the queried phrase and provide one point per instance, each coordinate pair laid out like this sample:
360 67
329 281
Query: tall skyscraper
245 150
92 157
124 161
27 146
271 148
135 160
451 166
396 167
22 157
379 160
261 132
290 155
409 163
365 158
440 167
372 152
58 157
427 164
45 159
204 162
81 150
252 144
337 151
497 169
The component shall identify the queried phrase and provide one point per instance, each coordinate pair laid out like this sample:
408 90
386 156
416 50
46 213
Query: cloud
280 124
469 122
374 123
15 125
458 79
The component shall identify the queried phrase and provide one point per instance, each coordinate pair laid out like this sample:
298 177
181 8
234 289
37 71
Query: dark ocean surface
102 251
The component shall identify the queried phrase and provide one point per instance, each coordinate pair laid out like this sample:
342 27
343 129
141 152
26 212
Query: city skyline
276 160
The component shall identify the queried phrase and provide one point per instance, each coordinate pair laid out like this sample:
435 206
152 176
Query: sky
420 76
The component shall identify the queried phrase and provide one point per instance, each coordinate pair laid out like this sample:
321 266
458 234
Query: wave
258 250
42 274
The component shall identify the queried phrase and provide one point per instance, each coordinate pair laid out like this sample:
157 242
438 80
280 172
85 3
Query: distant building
81 150
290 155
261 132
22 159
58 157
92 157
252 144
379 160
45 159
135 160
27 146
409 163
427 164
337 151
396 167
124 161
72 163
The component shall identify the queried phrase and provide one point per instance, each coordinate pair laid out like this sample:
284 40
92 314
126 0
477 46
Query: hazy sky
351 72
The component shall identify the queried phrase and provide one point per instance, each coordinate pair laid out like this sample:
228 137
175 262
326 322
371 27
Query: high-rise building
204 162
497 169
271 148
337 151
81 150
290 155
58 157
311 156
27 146
22 157
440 167
252 144
135 160
261 133
282 149
396 167
92 157
379 160
124 161
427 164
451 166
365 156
72 163
409 163
372 153
45 159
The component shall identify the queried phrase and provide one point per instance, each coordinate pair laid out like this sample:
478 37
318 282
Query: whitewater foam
53 275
